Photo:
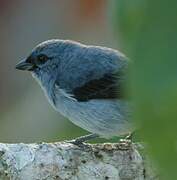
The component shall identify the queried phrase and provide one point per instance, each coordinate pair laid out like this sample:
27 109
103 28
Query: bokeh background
145 30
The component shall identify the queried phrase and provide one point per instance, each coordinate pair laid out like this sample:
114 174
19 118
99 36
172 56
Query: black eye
42 58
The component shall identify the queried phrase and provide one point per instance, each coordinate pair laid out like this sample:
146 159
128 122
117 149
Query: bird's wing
95 74
109 86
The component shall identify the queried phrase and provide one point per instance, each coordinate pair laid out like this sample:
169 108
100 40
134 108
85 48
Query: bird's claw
78 143
125 144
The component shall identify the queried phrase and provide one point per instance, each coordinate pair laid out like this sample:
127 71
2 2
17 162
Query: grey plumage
84 83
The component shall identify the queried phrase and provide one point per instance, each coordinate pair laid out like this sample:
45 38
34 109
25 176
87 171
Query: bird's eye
42 58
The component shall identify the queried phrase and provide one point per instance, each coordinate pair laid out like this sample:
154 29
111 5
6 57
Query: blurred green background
144 30
148 35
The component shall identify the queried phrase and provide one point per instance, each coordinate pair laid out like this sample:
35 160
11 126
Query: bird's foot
79 144
126 142
130 136
80 140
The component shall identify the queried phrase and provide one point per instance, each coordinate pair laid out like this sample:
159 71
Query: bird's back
91 67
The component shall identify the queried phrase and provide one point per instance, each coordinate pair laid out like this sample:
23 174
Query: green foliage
148 31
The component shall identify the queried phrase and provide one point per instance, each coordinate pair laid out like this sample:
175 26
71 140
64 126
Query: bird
85 84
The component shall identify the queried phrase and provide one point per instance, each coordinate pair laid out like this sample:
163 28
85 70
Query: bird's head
44 60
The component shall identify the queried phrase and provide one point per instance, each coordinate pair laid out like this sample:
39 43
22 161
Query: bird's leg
126 142
129 136
80 140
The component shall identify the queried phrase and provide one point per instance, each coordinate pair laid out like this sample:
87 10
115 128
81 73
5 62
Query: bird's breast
104 117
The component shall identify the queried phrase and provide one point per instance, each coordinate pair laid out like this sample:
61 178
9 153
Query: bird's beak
23 65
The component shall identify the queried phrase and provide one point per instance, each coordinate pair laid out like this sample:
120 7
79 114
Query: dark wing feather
108 86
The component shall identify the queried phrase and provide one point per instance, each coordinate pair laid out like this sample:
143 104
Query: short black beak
23 65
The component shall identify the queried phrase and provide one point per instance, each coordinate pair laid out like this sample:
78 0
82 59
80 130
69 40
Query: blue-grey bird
84 83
